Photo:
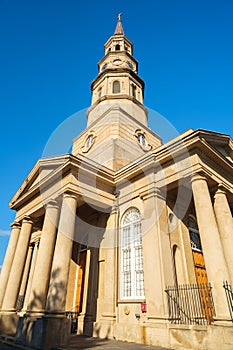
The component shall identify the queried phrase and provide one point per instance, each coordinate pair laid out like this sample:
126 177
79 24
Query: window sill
131 301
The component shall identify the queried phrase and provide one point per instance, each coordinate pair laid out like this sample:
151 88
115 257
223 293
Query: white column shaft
225 225
26 271
216 267
56 299
7 264
16 273
43 266
31 273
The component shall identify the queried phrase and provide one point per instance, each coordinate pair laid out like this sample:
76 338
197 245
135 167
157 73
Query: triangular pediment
222 143
42 170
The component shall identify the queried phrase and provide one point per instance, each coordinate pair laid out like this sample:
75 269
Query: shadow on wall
55 297
33 330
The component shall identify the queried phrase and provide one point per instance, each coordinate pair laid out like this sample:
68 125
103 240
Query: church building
126 237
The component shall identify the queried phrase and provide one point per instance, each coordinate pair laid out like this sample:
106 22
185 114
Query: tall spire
119 28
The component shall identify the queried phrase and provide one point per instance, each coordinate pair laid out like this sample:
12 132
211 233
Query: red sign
143 307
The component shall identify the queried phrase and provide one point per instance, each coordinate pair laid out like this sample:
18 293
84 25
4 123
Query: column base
43 332
8 323
85 325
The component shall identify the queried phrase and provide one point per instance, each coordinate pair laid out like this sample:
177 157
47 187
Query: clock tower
117 127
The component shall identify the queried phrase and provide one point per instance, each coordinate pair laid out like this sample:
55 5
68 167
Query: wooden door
80 281
202 281
200 270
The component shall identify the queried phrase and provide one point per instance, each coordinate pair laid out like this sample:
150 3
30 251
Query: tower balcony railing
190 304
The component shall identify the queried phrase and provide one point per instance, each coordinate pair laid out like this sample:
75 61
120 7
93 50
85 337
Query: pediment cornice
49 170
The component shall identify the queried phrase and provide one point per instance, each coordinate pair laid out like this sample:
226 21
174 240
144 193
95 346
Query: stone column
31 274
13 286
216 267
26 271
56 299
6 268
41 276
225 225
24 282
81 320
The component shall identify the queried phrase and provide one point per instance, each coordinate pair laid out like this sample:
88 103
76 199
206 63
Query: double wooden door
80 281
204 289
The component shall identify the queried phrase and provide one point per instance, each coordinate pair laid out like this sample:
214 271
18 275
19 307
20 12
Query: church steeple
119 28
117 125
117 79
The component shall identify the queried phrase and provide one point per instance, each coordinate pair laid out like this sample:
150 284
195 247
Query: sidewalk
78 342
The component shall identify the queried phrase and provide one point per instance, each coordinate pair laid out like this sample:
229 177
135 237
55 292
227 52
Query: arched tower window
116 87
99 92
132 274
117 47
134 90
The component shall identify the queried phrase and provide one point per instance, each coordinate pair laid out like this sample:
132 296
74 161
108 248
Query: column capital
199 176
31 246
221 189
52 203
15 224
27 219
70 195
35 243
113 209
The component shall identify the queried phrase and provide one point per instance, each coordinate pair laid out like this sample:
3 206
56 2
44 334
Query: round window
141 139
89 140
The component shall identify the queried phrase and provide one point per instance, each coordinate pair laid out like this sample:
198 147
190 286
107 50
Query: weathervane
119 16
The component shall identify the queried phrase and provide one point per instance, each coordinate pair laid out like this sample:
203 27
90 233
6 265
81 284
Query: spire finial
119 29
119 16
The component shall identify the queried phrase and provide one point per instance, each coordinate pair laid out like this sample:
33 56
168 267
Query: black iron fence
229 295
73 316
190 304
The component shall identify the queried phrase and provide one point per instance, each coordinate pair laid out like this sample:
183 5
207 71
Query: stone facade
131 237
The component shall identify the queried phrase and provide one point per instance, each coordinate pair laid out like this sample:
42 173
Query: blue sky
49 55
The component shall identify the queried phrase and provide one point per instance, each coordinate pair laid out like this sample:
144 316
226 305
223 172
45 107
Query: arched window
116 87
134 90
194 234
117 47
99 92
132 274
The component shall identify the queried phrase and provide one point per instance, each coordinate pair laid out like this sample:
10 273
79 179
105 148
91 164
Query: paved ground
82 343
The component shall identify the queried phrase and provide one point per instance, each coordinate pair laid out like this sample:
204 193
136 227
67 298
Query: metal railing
190 304
73 316
229 295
